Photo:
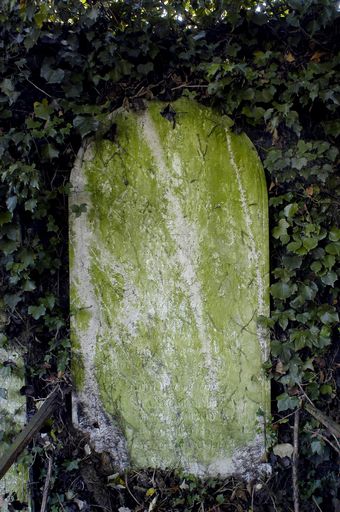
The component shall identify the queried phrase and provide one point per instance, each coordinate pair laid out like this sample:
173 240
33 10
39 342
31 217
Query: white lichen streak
185 238
88 411
255 255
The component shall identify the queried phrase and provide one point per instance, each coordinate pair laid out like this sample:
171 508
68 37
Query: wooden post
28 433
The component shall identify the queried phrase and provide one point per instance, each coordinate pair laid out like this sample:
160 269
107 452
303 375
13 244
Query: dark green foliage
275 70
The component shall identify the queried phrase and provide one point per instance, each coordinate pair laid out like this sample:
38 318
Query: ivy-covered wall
274 70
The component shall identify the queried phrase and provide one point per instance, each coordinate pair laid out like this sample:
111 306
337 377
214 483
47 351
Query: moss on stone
179 267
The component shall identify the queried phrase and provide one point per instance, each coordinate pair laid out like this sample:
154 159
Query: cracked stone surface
169 274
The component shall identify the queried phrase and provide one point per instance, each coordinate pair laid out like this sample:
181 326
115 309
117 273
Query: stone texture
12 419
169 273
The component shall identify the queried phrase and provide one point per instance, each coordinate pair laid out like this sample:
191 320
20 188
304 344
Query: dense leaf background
274 69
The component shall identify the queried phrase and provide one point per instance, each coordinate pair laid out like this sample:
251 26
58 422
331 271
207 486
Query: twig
337 442
60 503
325 439
285 417
188 86
252 497
25 437
295 461
316 503
273 502
305 394
46 485
327 422
41 90
128 490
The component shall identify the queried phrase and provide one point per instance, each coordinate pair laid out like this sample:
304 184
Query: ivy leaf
328 315
332 127
5 218
70 465
29 285
329 261
308 292
329 278
317 447
37 311
294 246
282 290
49 301
284 402
326 389
220 499
8 246
334 234
333 248
309 243
200 35
43 110
85 124
52 76
144 69
8 89
50 152
291 209
11 203
292 262
280 231
41 16
298 163
30 205
12 299
316 266
26 257
78 209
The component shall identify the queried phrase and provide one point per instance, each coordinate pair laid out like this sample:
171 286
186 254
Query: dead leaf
279 368
309 191
153 504
87 450
293 391
283 450
184 486
275 136
317 56
79 503
272 185
289 57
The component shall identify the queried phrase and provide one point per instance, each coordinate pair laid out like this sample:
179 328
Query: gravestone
12 419
169 274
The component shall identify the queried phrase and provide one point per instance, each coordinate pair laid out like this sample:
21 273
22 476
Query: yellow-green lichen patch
177 272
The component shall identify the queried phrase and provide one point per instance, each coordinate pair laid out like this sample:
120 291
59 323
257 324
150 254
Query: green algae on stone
171 260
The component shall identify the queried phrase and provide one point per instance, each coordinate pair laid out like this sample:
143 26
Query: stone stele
12 420
169 274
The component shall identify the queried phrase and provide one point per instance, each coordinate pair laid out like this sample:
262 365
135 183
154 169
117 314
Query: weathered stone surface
169 273
12 419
